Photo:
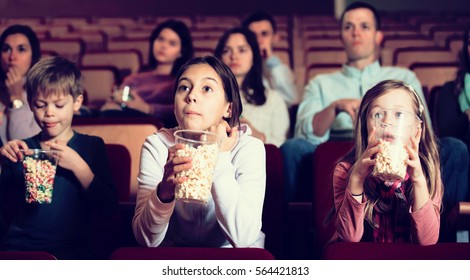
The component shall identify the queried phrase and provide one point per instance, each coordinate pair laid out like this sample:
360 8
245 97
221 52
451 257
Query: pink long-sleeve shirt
424 222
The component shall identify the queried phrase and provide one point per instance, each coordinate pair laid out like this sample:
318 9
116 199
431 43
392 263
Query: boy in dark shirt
83 186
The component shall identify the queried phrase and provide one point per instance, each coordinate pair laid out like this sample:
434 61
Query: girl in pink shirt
371 209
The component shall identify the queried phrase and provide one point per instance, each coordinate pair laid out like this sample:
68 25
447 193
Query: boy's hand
67 157
12 150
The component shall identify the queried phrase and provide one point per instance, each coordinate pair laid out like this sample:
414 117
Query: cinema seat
190 253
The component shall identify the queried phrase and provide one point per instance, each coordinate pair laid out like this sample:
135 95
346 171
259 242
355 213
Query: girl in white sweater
206 98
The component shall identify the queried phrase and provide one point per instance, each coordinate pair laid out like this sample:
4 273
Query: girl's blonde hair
428 150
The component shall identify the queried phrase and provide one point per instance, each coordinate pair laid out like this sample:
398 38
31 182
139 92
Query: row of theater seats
335 251
140 253
310 44
104 70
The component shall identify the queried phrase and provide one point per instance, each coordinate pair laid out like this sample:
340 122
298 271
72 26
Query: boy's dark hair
187 49
360 4
259 16
230 84
252 86
32 38
54 75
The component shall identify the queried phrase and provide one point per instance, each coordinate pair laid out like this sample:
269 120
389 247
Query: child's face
54 114
393 116
238 55
200 98
167 47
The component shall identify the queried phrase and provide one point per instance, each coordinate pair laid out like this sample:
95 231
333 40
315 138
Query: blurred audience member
20 51
264 111
151 92
278 75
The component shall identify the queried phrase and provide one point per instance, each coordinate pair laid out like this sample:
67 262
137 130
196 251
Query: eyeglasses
395 117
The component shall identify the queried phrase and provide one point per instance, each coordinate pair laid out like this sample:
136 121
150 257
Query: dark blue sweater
64 226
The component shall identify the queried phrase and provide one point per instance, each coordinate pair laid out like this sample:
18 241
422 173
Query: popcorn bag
203 148
39 168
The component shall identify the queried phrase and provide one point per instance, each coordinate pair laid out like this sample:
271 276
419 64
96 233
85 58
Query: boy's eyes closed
43 105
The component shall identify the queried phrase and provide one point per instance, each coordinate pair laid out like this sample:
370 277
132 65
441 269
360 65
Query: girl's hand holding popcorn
174 165
415 169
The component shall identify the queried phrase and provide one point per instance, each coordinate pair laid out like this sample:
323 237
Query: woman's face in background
238 55
167 47
17 54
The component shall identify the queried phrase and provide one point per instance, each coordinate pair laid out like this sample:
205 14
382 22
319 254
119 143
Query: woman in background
20 51
264 110
151 92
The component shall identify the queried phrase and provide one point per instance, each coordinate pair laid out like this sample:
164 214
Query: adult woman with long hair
264 110
20 51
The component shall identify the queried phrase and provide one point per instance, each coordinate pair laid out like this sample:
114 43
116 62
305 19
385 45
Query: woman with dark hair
452 112
264 110
151 91
20 51
206 99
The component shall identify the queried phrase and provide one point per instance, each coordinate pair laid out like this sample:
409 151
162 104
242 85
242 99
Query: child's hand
67 157
11 150
174 165
415 169
363 166
223 129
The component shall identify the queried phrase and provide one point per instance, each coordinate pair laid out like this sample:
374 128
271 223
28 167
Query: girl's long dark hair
252 87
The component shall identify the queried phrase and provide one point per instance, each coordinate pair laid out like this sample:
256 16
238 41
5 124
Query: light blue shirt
351 83
464 96
281 79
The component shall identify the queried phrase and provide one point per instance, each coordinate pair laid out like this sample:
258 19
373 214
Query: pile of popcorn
39 180
198 185
390 162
